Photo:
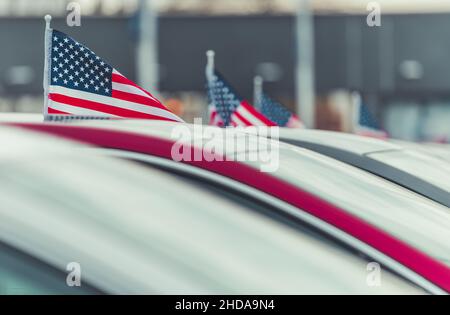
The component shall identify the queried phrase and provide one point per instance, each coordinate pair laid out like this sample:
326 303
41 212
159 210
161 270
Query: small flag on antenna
226 108
365 123
278 113
78 82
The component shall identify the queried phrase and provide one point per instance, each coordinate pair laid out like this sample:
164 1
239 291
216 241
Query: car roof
19 145
341 140
343 185
233 140
373 155
439 150
416 171
57 207
21 117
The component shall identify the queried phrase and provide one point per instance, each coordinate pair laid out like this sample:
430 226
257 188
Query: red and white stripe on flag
246 115
294 122
127 100
214 117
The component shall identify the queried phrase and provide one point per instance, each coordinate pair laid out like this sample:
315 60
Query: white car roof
441 151
431 174
134 234
370 197
21 117
341 140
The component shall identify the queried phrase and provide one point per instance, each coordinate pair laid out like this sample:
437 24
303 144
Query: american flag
226 108
214 117
78 82
278 113
365 123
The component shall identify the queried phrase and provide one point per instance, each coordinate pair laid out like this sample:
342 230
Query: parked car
134 229
438 150
386 222
420 172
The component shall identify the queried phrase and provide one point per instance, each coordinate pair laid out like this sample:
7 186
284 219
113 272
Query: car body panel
409 169
438 150
59 209
345 141
141 142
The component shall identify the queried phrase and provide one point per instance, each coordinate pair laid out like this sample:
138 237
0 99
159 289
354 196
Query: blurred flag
279 114
364 123
78 82
227 109
214 117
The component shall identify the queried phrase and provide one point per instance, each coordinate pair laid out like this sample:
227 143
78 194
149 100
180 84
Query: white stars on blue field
76 67
221 94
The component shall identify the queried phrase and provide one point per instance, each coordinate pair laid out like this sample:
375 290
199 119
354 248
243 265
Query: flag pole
209 72
257 91
210 54
47 47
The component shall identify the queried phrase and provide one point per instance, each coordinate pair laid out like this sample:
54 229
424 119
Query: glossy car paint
414 259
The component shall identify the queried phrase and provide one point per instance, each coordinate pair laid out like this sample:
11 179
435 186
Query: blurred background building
400 68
